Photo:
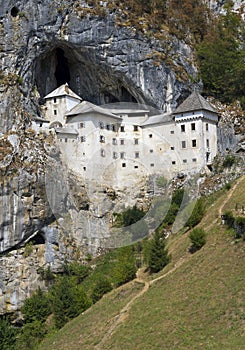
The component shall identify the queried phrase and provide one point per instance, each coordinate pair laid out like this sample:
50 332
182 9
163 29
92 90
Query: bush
156 254
161 181
197 213
36 308
102 287
7 335
229 161
125 268
31 335
198 239
229 219
239 226
129 216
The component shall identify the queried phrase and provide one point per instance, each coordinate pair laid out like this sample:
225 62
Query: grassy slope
200 305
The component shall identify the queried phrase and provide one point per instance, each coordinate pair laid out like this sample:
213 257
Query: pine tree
157 253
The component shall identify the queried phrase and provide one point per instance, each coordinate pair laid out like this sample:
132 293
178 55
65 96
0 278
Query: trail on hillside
123 314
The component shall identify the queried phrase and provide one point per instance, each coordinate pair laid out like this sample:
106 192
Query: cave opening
86 76
62 73
38 238
14 11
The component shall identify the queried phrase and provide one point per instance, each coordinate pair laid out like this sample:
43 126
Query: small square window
173 162
194 143
55 100
183 144
152 165
81 125
114 141
55 112
182 128
122 155
184 160
151 150
122 129
136 128
101 125
193 126
114 155
136 167
102 139
172 148
172 132
150 136
137 155
122 142
84 168
136 141
194 160
123 165
108 127
83 138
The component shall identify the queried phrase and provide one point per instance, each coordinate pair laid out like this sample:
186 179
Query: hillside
196 302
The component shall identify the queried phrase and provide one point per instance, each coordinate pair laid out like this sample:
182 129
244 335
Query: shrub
229 219
7 335
198 239
102 287
239 226
36 308
125 268
229 161
31 335
161 181
197 213
156 254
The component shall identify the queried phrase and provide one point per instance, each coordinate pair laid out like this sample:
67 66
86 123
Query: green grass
200 305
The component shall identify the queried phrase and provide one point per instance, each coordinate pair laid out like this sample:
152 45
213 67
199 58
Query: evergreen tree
157 254
7 335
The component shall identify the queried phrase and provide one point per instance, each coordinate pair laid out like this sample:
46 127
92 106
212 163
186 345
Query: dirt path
123 314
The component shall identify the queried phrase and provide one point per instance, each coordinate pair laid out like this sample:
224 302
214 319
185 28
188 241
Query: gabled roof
194 102
86 107
158 119
63 90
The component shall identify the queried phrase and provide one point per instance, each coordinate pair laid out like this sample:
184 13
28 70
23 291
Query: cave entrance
86 76
62 73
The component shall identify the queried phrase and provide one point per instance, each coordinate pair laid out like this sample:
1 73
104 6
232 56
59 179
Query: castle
120 143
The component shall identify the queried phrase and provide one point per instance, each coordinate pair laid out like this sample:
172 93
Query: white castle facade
120 144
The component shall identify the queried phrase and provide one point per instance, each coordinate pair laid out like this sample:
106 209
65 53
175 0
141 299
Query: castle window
152 164
182 127
122 155
114 155
194 143
183 144
102 139
122 142
65 139
136 128
84 168
206 126
207 142
184 160
55 112
136 141
55 100
151 150
136 167
137 155
150 136
101 125
102 153
122 129
172 148
173 162
123 165
108 127
172 132
114 127
81 125
114 141
83 138
194 160
193 126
